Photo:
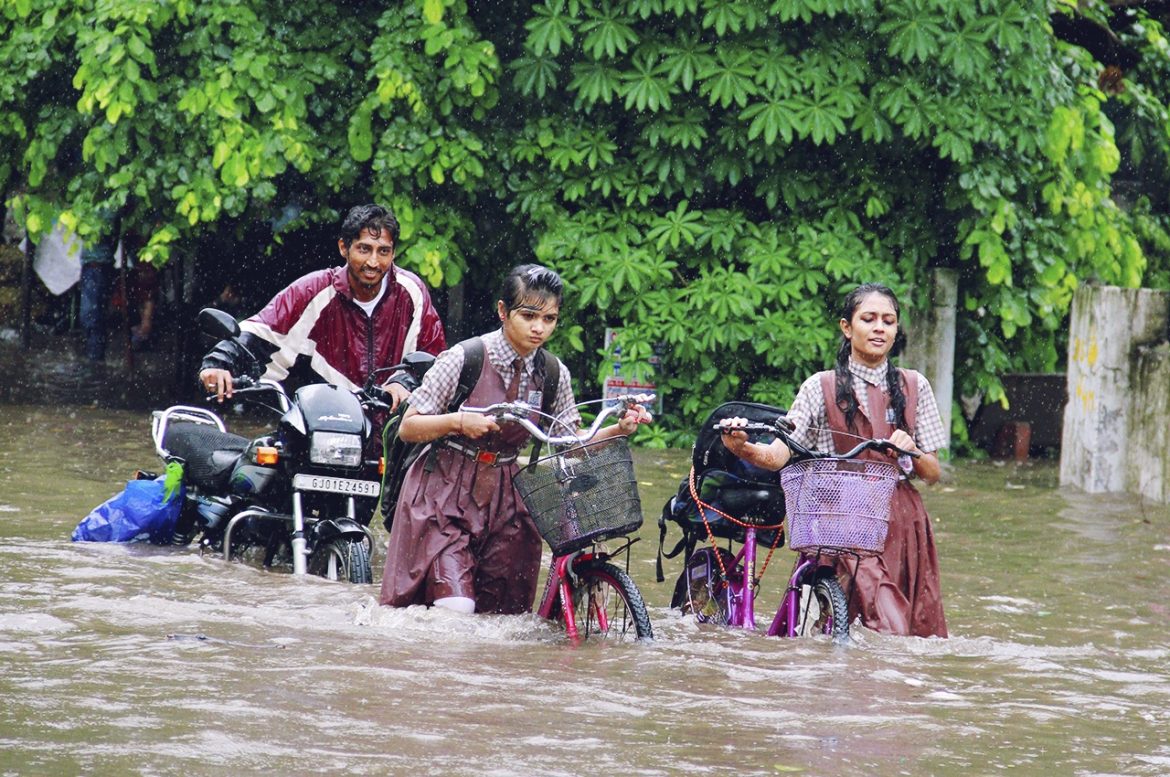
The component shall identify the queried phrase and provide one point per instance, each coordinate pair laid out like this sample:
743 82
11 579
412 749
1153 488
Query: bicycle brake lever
886 445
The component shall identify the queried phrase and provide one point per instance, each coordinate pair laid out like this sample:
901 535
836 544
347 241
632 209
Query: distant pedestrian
97 264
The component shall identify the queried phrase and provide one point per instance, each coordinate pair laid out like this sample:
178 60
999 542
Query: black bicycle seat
738 497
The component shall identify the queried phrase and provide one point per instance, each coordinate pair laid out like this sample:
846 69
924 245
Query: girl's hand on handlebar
771 456
917 462
734 438
397 393
474 425
904 441
632 418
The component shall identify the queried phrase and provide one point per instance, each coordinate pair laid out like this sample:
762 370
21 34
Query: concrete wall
1114 437
931 347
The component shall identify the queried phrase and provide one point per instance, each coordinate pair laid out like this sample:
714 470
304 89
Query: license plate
337 485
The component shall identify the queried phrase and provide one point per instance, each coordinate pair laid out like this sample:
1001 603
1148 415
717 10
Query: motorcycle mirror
217 324
417 363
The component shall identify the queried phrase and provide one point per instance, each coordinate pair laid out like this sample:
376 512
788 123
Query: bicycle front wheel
823 608
607 604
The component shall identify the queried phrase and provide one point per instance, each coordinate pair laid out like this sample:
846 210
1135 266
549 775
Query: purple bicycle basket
838 506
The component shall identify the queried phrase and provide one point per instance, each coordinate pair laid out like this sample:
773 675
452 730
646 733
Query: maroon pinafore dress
897 592
461 528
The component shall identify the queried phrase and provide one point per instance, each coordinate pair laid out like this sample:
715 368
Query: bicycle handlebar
782 427
519 412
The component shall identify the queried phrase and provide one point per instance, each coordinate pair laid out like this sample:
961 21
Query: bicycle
580 496
835 505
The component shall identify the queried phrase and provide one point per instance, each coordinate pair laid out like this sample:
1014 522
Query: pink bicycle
834 504
581 495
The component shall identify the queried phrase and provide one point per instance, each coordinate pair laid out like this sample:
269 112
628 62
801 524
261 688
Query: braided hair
846 399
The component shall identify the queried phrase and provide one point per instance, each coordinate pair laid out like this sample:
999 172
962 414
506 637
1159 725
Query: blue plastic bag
145 509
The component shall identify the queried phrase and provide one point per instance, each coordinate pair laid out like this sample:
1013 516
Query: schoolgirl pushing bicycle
462 537
866 397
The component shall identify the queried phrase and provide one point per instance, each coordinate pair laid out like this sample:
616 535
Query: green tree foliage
710 175
193 114
1139 96
714 173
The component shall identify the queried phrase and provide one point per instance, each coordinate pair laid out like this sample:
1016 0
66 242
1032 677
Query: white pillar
1111 403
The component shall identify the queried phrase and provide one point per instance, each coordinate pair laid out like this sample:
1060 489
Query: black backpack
726 482
399 454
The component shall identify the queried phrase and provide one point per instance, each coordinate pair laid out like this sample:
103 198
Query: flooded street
136 659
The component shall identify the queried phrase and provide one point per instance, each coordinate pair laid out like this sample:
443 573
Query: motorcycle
302 494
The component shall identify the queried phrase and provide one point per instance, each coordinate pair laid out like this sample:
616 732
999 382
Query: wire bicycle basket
838 506
582 495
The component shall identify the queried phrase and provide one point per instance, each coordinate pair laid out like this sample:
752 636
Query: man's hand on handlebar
216 382
397 392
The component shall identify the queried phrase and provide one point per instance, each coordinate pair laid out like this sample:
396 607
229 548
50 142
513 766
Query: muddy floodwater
134 659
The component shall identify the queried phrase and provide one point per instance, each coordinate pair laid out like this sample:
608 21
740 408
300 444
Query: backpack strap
552 380
473 354
688 541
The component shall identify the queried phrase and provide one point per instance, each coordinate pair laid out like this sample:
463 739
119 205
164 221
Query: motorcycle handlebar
375 398
244 384
519 412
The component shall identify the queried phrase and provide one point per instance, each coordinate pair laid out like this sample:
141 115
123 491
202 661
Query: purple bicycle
834 504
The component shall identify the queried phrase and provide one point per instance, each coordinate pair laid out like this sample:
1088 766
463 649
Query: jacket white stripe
410 342
298 343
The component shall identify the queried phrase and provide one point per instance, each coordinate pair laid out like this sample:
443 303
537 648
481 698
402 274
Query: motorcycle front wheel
342 558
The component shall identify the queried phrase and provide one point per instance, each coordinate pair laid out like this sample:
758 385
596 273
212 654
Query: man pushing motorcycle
339 324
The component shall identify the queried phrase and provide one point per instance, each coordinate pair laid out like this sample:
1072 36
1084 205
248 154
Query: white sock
460 604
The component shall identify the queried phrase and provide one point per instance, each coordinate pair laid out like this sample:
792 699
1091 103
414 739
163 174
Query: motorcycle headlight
339 450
